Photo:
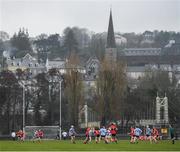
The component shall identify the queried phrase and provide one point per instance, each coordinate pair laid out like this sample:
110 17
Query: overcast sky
52 16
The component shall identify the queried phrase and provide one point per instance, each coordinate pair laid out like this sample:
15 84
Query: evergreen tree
70 43
21 42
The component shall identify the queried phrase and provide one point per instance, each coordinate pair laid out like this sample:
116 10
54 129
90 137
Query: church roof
110 35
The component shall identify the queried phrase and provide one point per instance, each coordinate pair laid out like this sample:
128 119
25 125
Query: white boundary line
91 151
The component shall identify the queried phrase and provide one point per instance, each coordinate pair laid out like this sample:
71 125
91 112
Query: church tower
111 50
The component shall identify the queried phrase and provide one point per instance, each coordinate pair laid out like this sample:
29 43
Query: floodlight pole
60 121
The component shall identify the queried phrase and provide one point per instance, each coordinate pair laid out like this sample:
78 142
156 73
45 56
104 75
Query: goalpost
50 132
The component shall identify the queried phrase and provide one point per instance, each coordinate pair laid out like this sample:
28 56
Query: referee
172 134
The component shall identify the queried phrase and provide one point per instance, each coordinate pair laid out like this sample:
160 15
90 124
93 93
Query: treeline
84 42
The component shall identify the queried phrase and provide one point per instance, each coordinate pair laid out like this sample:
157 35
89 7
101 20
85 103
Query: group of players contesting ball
107 134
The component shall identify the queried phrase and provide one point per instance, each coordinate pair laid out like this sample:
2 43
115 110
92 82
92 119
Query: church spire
110 34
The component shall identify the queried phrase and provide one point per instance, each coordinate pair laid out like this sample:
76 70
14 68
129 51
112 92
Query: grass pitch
123 145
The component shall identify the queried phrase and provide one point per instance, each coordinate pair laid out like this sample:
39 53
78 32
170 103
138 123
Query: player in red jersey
113 132
87 135
40 134
132 135
97 135
20 134
142 138
155 134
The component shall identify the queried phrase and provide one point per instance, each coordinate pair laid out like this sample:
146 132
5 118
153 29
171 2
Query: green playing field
122 145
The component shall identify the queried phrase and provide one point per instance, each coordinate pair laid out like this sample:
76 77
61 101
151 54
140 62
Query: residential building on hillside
55 64
148 37
63 66
120 40
27 62
92 67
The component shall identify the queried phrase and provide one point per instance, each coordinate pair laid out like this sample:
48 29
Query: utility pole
60 111
23 109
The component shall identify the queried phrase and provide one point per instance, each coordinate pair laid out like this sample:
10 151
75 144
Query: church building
111 50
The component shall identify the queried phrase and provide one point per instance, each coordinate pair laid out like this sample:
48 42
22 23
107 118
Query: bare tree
110 86
73 88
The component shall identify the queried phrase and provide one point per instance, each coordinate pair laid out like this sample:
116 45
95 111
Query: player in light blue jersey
148 134
137 133
103 133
